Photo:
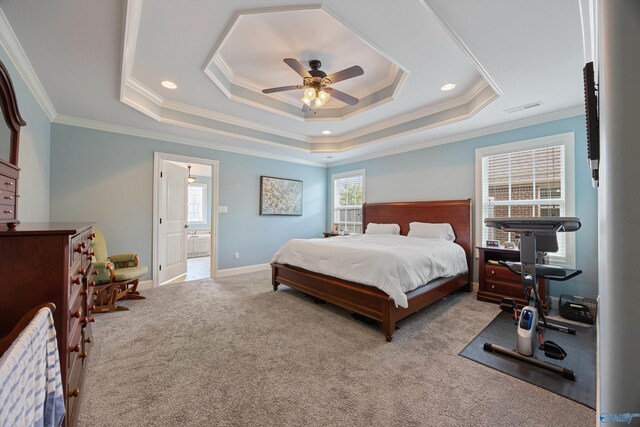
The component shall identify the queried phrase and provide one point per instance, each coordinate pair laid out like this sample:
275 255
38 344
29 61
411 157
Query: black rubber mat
581 358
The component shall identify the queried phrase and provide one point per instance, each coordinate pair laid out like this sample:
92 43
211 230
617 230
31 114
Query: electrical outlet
236 255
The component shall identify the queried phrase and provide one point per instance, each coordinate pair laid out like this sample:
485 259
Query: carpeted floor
235 353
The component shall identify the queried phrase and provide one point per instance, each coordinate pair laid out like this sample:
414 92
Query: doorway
185 218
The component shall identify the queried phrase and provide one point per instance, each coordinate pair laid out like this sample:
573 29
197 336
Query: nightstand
329 234
496 281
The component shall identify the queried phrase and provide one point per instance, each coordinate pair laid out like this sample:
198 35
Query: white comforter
393 264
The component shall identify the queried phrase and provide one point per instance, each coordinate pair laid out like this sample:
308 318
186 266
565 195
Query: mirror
10 126
5 141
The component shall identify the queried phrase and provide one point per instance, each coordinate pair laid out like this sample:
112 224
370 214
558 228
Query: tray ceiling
101 64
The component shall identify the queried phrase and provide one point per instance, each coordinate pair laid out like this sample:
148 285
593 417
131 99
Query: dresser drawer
498 272
75 344
76 275
76 313
7 197
502 288
73 389
7 183
7 212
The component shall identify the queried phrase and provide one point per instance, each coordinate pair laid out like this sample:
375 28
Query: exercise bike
537 237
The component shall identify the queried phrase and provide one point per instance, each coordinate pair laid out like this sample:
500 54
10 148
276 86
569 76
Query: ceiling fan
315 83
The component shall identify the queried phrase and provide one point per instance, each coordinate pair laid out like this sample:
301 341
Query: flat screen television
593 125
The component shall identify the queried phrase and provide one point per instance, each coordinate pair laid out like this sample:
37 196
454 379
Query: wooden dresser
496 281
51 262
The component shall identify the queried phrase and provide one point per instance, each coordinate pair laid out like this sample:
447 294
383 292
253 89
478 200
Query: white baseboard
145 285
242 270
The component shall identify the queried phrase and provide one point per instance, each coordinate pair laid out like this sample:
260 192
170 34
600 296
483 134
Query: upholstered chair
116 276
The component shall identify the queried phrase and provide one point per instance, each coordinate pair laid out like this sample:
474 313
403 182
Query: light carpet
232 352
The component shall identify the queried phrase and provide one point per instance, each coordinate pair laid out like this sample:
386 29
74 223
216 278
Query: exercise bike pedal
508 305
553 350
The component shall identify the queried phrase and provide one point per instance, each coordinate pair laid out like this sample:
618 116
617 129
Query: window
348 197
525 179
197 202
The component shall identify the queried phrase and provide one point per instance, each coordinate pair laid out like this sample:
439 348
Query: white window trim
565 139
349 174
205 201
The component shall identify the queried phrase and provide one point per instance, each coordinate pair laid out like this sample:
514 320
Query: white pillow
373 228
432 231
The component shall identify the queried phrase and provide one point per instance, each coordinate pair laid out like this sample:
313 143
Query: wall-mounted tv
593 125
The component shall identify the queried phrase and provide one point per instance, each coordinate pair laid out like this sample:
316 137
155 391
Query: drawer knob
493 272
91 236
75 393
8 197
88 340
78 249
83 355
83 292
76 281
95 272
92 307
493 286
82 271
83 245
76 314
8 211
9 183
74 348
92 283
88 320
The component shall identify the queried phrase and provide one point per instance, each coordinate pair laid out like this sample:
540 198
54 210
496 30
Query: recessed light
326 132
168 84
448 86
327 158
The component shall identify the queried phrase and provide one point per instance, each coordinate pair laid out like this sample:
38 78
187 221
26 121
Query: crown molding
530 121
13 48
160 136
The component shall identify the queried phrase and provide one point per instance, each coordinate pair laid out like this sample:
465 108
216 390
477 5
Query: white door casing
172 228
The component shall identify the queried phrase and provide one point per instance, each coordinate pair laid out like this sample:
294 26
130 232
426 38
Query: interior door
173 222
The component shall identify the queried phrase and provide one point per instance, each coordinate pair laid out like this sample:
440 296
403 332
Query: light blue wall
108 178
207 204
34 151
448 172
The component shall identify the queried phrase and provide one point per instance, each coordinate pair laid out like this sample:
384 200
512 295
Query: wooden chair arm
7 340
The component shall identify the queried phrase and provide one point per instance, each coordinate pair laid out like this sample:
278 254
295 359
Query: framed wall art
280 196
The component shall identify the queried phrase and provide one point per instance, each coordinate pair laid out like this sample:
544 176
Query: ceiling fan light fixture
322 98
190 179
306 100
310 93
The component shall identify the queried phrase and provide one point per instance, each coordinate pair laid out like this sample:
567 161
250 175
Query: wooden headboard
455 212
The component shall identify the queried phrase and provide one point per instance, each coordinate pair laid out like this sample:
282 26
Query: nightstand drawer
506 289
498 272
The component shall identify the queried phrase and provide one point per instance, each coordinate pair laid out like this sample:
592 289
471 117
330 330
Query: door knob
186 226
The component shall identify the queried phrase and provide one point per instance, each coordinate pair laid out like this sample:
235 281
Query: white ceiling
101 62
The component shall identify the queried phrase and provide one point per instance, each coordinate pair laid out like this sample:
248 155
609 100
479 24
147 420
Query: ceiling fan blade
345 74
346 98
282 88
297 67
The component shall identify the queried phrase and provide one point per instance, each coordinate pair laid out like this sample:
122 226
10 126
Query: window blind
528 183
348 197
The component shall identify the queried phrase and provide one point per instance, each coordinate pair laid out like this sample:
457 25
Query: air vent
524 107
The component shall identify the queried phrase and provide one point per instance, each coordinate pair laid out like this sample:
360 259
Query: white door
173 222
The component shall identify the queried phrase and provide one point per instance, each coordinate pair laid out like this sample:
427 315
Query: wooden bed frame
372 302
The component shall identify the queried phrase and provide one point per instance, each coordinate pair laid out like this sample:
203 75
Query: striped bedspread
30 381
